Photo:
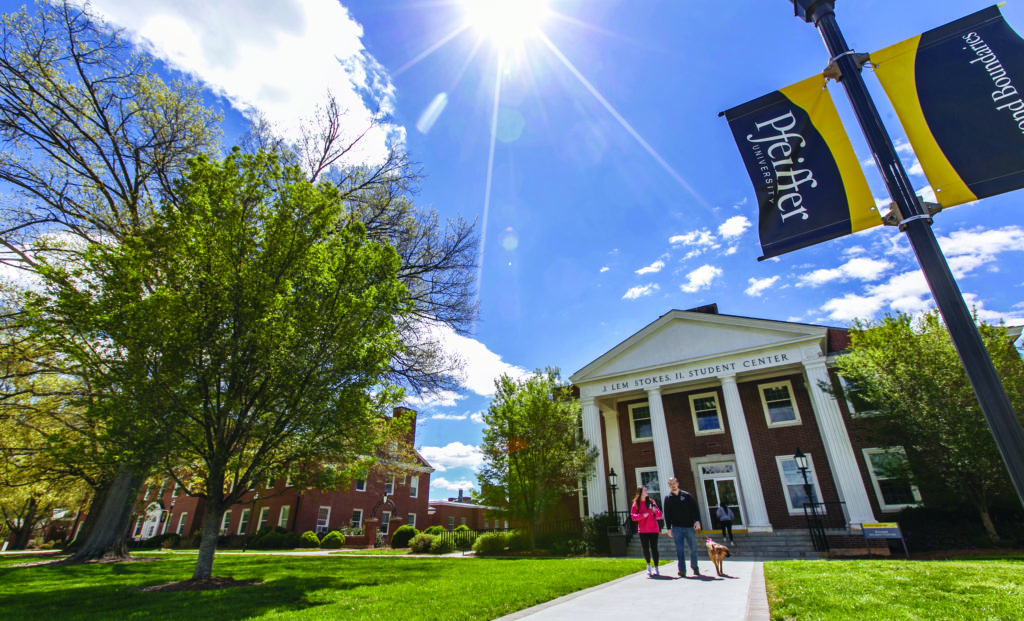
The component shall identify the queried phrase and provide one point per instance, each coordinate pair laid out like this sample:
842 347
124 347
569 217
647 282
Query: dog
717 553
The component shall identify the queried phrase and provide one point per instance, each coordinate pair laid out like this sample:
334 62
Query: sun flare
506 23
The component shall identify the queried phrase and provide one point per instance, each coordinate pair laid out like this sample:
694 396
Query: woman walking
645 513
725 519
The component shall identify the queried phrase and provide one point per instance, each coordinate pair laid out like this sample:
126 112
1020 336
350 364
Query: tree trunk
212 516
106 538
99 497
28 521
986 521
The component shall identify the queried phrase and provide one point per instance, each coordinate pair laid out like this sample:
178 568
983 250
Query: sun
506 23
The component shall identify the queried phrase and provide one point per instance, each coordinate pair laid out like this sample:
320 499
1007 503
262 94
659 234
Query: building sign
959 93
694 372
881 530
809 184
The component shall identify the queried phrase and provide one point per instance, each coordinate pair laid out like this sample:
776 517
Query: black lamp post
252 518
612 480
801 465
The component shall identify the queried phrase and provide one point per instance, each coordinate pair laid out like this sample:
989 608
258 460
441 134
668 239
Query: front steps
777 545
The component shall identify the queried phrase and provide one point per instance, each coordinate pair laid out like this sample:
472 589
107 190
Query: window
360 485
451 522
288 481
641 428
385 521
487 524
389 485
322 518
357 518
648 477
855 402
889 477
707 418
225 522
793 483
181 523
270 483
264 518
463 521
779 407
584 499
412 520
138 528
177 491
414 486
282 521
243 524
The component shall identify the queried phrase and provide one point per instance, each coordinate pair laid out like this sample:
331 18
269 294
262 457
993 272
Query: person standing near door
645 513
682 519
725 517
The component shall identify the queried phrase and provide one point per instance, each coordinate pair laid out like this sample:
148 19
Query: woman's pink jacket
647 524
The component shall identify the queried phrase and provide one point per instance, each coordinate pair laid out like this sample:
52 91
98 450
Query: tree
909 371
89 137
533 447
251 325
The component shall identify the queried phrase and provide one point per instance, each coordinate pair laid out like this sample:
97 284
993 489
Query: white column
838 449
614 458
596 485
746 466
662 451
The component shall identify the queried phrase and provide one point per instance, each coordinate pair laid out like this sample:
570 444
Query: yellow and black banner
959 92
809 185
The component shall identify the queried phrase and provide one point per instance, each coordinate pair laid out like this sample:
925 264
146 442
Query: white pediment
679 337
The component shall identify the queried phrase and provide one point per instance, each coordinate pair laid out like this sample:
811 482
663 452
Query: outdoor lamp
801 460
612 480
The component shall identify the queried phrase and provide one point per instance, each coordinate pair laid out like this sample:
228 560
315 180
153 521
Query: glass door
719 490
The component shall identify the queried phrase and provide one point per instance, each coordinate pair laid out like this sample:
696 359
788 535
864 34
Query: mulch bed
199 584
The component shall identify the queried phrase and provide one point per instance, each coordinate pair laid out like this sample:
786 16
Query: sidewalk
738 596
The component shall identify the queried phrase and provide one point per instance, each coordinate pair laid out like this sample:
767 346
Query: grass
380 552
866 590
321 587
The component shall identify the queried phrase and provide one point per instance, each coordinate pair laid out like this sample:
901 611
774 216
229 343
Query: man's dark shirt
680 510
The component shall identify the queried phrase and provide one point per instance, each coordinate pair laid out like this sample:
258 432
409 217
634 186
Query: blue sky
589 152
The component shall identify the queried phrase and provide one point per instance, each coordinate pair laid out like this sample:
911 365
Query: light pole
612 480
801 465
252 518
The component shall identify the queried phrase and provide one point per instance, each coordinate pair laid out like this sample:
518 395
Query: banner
959 93
809 185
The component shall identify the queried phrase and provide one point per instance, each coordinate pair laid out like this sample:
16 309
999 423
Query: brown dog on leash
717 553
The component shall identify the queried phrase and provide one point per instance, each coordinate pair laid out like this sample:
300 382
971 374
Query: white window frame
288 481
360 488
326 519
451 522
876 481
657 494
243 524
792 399
225 522
412 520
354 523
282 518
718 410
848 390
385 522
181 522
264 518
632 422
176 491
414 486
812 478
389 485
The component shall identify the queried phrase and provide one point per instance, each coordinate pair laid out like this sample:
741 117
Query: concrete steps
777 545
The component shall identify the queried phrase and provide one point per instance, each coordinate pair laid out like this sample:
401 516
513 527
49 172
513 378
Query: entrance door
723 489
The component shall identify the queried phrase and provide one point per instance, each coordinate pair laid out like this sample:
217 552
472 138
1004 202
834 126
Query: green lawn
864 590
322 587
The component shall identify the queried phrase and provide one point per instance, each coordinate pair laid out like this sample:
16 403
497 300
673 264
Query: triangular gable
679 336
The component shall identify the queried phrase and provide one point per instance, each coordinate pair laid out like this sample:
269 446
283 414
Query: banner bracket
892 217
832 72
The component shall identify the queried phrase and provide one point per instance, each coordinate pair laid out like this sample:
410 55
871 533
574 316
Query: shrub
464 537
171 540
595 532
569 546
332 540
421 543
291 541
440 545
490 544
269 541
434 530
403 535
309 540
518 541
195 540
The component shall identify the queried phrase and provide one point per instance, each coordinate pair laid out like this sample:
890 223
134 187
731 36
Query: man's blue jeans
685 537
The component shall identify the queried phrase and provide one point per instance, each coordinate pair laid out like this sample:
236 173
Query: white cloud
449 417
702 238
277 58
734 227
858 268
758 285
731 251
640 291
700 278
440 399
605 269
852 306
477 417
653 268
453 455
440 483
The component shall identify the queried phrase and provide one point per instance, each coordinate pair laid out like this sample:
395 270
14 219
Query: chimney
460 495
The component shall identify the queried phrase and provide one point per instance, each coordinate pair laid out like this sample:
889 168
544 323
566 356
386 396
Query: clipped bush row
499 544
403 535
430 544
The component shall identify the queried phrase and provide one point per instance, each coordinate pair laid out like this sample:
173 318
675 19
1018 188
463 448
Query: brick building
722 403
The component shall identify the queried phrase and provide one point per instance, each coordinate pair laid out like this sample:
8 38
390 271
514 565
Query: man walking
682 519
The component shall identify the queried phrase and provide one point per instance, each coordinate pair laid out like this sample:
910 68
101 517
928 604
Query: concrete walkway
740 595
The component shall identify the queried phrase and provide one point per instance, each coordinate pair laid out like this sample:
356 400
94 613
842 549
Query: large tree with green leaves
533 446
907 369
251 325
